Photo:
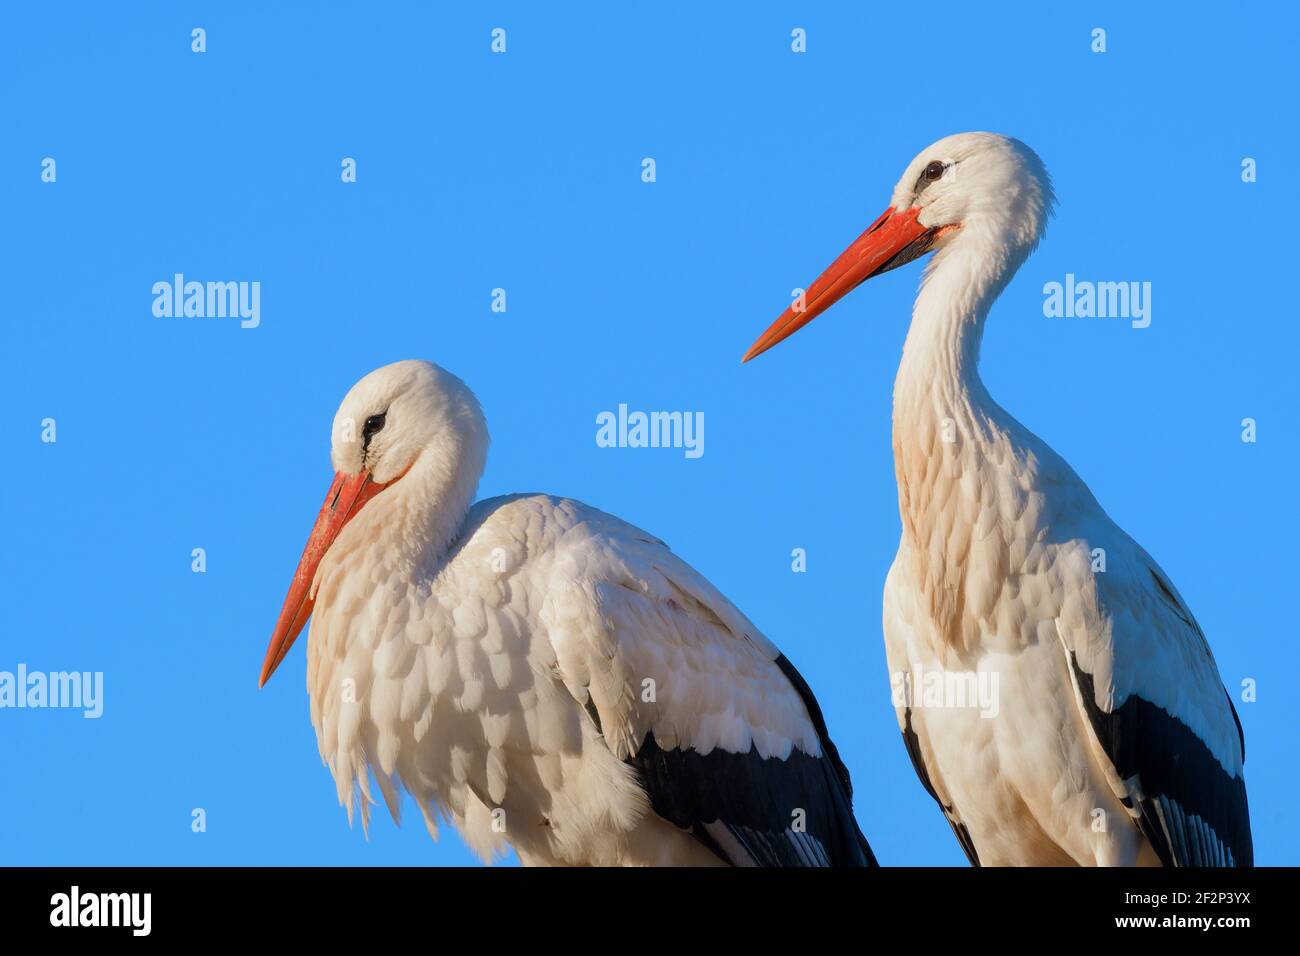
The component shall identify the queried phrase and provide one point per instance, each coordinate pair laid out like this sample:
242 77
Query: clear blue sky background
522 171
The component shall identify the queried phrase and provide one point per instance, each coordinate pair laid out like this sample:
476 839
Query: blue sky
522 171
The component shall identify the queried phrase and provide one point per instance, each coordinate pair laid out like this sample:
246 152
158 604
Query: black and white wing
726 737
1149 688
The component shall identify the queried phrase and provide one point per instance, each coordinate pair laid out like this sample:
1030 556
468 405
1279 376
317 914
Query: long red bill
892 240
347 494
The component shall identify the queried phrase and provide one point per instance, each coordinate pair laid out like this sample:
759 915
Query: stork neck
411 525
946 425
938 377
436 494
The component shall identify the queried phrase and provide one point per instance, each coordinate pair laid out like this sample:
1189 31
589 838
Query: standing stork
545 675
1114 740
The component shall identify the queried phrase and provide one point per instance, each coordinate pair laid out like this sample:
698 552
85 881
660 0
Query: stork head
390 417
397 416
971 187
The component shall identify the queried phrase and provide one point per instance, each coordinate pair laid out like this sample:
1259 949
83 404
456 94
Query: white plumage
1114 741
545 675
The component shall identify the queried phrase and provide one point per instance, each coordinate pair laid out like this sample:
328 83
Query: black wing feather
913 745
758 798
1192 811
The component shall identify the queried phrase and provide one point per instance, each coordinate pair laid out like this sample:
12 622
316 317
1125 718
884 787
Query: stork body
1112 740
545 675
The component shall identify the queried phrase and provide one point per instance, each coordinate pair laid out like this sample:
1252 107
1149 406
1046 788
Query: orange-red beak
892 240
347 494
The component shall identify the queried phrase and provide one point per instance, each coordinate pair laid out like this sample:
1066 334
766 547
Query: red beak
347 495
892 240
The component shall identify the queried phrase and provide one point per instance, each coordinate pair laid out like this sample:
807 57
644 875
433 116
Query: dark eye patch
931 174
373 424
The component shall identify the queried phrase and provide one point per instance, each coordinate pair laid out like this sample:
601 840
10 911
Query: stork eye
933 172
373 424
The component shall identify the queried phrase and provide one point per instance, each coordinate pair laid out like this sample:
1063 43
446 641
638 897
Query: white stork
545 675
1114 740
